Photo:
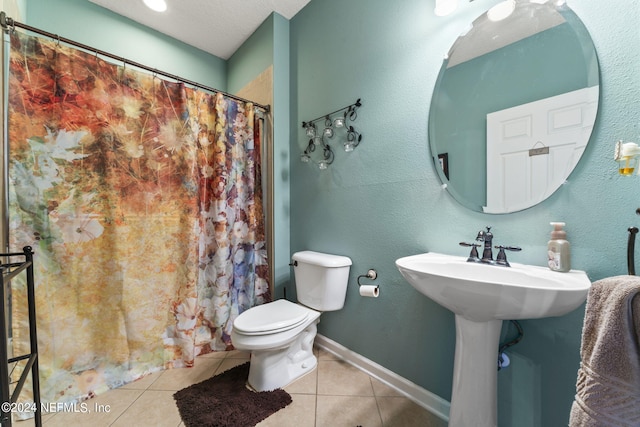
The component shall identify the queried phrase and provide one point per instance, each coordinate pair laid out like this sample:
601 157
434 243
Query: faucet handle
473 256
501 258
509 248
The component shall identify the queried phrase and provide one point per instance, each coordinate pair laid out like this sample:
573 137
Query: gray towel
608 386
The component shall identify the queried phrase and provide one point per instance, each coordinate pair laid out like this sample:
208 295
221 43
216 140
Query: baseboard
431 402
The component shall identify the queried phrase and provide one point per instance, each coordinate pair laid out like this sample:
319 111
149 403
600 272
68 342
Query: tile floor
335 394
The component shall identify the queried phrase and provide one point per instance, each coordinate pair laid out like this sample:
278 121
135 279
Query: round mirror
514 105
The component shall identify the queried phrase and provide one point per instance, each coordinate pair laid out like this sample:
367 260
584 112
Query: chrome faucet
487 254
487 238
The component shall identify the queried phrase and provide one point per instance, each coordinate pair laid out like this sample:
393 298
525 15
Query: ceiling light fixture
502 10
445 7
157 5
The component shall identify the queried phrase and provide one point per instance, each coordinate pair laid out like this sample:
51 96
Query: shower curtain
142 201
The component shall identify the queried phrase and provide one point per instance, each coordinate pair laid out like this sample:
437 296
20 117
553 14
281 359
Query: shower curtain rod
8 23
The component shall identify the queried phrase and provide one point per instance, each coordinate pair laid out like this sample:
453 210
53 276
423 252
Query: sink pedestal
475 374
488 294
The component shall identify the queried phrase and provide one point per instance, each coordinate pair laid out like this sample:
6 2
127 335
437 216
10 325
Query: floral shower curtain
142 201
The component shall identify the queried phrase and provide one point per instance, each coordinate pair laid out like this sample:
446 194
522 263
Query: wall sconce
626 154
332 127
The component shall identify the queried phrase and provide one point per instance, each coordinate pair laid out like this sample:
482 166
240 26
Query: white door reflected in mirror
532 148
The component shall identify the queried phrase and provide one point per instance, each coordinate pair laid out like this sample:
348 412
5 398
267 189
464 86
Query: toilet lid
276 316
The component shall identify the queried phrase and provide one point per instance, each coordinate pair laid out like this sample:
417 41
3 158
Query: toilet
280 334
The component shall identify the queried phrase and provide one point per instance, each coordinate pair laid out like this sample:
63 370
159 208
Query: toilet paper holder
369 290
371 274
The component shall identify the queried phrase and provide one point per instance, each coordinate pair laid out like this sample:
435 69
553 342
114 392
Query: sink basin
482 292
482 296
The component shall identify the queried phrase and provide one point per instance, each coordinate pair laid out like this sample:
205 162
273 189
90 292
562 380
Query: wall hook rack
332 127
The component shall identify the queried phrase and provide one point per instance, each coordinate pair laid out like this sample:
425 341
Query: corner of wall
281 136
266 53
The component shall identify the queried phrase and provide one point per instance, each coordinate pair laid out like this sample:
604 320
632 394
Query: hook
352 113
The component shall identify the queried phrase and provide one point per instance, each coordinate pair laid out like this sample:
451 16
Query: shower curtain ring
7 23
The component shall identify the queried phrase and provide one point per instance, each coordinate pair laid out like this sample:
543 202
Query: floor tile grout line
315 414
128 407
377 401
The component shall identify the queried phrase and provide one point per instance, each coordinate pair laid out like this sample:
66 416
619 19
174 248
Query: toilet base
275 368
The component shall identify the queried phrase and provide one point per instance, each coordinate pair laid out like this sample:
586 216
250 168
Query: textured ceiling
215 26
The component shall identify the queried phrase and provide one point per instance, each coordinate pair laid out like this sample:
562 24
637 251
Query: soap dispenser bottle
558 249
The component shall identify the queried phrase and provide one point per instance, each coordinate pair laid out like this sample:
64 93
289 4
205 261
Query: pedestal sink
481 296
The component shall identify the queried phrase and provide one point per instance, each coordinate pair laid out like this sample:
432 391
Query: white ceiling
215 26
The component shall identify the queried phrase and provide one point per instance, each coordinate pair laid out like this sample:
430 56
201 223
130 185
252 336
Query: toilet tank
321 279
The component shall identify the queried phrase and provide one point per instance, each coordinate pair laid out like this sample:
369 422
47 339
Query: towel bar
631 265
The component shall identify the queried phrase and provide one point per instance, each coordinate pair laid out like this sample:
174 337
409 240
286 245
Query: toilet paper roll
369 291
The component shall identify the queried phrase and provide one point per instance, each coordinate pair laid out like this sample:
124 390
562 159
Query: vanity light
331 127
502 10
157 5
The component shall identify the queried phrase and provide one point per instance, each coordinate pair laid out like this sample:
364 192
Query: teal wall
253 57
384 200
87 23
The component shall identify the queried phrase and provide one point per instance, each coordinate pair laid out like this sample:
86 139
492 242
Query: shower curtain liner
142 200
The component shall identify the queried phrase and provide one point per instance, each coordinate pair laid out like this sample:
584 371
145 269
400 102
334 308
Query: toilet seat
287 319
272 318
